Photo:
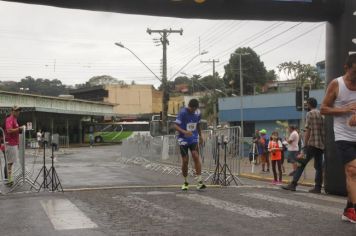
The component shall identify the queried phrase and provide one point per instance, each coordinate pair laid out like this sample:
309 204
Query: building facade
267 111
58 115
129 100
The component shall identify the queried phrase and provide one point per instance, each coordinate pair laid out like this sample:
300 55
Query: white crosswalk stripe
64 215
229 206
323 197
289 202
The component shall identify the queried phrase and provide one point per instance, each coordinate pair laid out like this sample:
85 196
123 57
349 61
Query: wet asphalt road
255 208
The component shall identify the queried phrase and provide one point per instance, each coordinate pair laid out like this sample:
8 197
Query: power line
267 40
288 42
249 39
277 35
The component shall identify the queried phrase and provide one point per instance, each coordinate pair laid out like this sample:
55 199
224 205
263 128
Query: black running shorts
347 150
184 149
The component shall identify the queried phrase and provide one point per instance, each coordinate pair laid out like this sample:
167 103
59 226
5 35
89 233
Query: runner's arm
306 136
307 130
327 106
180 130
10 129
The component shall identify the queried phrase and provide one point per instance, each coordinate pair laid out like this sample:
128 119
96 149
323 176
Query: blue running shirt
188 121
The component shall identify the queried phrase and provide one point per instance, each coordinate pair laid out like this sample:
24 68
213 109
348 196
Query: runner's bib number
191 126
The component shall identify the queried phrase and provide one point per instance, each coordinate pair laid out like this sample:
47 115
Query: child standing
275 148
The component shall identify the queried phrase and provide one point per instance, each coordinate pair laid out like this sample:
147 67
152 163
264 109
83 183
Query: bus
115 132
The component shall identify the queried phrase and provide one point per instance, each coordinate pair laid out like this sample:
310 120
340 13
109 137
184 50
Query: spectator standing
263 150
314 136
275 152
293 147
12 131
39 138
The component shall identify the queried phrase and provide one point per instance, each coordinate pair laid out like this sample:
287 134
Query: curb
132 187
268 179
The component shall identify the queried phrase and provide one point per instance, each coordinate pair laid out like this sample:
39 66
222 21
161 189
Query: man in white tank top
340 101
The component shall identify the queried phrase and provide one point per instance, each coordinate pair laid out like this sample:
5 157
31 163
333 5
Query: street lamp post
122 46
241 91
241 105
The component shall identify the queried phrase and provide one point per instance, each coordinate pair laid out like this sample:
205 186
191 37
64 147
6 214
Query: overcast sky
74 45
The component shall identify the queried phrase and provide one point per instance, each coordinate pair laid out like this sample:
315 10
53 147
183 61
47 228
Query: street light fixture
122 46
220 91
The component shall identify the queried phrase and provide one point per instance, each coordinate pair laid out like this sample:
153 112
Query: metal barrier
21 175
162 153
64 141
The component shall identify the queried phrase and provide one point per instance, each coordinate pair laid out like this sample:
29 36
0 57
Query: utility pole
164 34
215 103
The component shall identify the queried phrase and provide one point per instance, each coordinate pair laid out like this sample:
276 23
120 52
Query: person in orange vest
275 153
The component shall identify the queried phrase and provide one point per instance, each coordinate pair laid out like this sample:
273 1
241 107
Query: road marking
323 197
229 206
65 215
153 193
132 187
304 205
143 207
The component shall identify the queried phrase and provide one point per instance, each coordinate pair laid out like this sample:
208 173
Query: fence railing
162 153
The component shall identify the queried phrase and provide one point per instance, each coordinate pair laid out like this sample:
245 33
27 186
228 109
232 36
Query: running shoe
349 215
10 181
200 185
291 187
185 186
315 190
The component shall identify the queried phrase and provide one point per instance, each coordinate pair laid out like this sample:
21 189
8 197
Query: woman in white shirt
293 147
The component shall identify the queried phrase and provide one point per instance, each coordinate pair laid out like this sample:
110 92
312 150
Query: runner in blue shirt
189 137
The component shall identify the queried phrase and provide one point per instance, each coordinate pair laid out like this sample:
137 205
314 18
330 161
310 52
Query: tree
104 80
208 102
271 75
302 73
211 83
42 86
193 83
36 86
254 71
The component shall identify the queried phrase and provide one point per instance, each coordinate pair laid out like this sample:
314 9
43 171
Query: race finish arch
340 39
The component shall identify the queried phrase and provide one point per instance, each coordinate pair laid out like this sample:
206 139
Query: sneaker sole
344 218
293 190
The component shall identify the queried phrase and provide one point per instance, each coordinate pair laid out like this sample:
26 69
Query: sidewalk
307 179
